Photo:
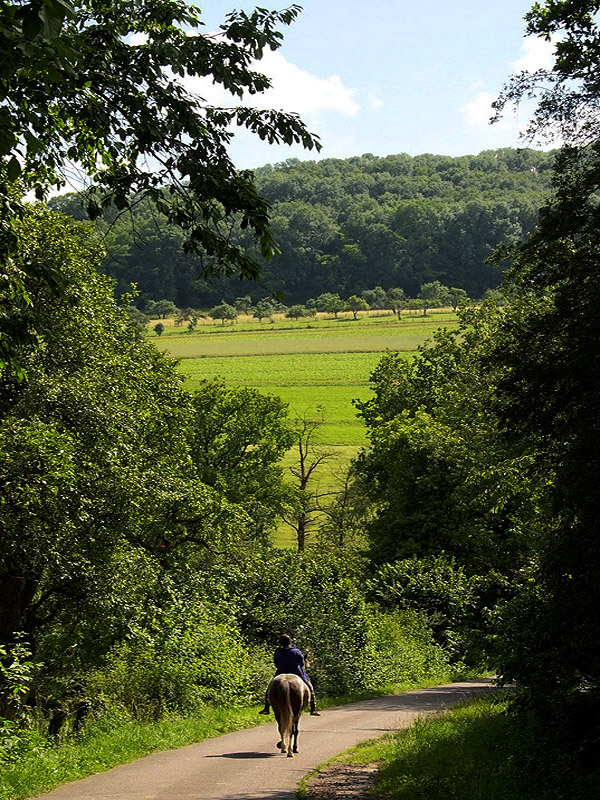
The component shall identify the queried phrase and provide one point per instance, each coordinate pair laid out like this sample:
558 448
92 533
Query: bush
17 737
193 656
402 649
349 644
434 585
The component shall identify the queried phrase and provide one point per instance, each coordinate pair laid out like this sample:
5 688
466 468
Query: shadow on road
242 755
421 700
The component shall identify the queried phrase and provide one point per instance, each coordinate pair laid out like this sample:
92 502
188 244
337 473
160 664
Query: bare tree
345 517
310 456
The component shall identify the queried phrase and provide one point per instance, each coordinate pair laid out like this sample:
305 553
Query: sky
390 76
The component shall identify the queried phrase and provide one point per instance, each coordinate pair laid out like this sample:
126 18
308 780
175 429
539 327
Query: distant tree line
431 295
345 225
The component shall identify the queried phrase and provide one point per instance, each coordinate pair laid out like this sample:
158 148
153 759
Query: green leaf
13 169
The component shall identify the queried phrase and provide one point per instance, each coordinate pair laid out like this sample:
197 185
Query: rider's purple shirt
290 660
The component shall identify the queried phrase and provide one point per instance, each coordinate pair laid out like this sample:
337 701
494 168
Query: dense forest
345 226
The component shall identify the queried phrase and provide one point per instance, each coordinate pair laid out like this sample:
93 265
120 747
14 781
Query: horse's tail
281 700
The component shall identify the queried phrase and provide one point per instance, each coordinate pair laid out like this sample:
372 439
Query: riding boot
313 706
267 704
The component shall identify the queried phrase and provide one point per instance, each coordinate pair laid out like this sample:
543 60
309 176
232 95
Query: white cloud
478 110
536 54
293 89
375 102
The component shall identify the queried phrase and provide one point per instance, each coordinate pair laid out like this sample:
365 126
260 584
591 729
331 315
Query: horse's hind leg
290 737
295 735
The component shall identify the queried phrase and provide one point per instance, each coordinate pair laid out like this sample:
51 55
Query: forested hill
349 225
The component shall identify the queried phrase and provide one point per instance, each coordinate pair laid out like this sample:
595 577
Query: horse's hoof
290 755
295 750
280 746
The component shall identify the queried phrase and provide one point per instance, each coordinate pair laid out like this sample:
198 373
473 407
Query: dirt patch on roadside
344 782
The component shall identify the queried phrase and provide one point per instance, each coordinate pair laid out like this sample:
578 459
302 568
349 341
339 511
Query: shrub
434 585
349 644
193 655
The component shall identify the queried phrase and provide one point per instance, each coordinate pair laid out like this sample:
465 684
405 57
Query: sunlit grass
476 751
318 366
360 336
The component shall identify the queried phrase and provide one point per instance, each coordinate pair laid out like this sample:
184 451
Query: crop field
318 368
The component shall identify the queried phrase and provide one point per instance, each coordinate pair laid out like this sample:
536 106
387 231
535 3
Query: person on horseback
290 660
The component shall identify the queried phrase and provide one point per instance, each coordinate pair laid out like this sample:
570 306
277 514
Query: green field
324 364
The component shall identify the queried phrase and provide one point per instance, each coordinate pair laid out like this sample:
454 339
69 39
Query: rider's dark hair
284 640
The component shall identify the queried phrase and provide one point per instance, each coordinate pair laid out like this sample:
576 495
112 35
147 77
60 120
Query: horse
288 696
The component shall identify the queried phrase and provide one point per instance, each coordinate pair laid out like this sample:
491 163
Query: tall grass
477 751
109 743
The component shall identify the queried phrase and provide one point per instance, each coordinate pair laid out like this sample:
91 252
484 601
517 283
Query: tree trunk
301 532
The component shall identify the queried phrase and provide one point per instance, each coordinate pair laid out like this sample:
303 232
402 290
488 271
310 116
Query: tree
567 93
243 305
189 315
330 303
332 240
356 304
440 474
159 329
433 295
456 297
238 437
548 399
90 440
346 513
310 456
86 62
397 300
264 308
161 309
297 312
223 311
376 298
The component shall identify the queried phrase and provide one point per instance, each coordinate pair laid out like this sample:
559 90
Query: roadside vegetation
478 751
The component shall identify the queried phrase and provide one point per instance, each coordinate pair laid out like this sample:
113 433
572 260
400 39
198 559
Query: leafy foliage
345 226
237 438
101 86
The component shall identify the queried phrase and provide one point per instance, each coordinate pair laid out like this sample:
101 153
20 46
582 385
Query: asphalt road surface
247 766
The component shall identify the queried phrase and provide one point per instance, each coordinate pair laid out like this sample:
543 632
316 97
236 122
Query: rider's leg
267 707
313 702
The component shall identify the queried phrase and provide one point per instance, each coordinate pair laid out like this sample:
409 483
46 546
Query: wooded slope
348 225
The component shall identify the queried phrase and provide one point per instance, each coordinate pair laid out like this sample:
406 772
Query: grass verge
476 751
102 747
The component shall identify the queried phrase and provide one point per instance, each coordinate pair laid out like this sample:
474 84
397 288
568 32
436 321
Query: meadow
319 367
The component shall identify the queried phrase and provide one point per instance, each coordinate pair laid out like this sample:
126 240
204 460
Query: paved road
246 765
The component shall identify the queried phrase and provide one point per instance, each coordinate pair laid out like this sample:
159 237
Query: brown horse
288 696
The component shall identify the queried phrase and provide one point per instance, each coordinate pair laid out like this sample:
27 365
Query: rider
290 660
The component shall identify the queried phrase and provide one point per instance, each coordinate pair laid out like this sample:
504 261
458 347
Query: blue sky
385 76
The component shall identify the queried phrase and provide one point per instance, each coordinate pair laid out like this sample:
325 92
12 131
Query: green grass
306 381
318 367
293 369
377 323
99 749
476 751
